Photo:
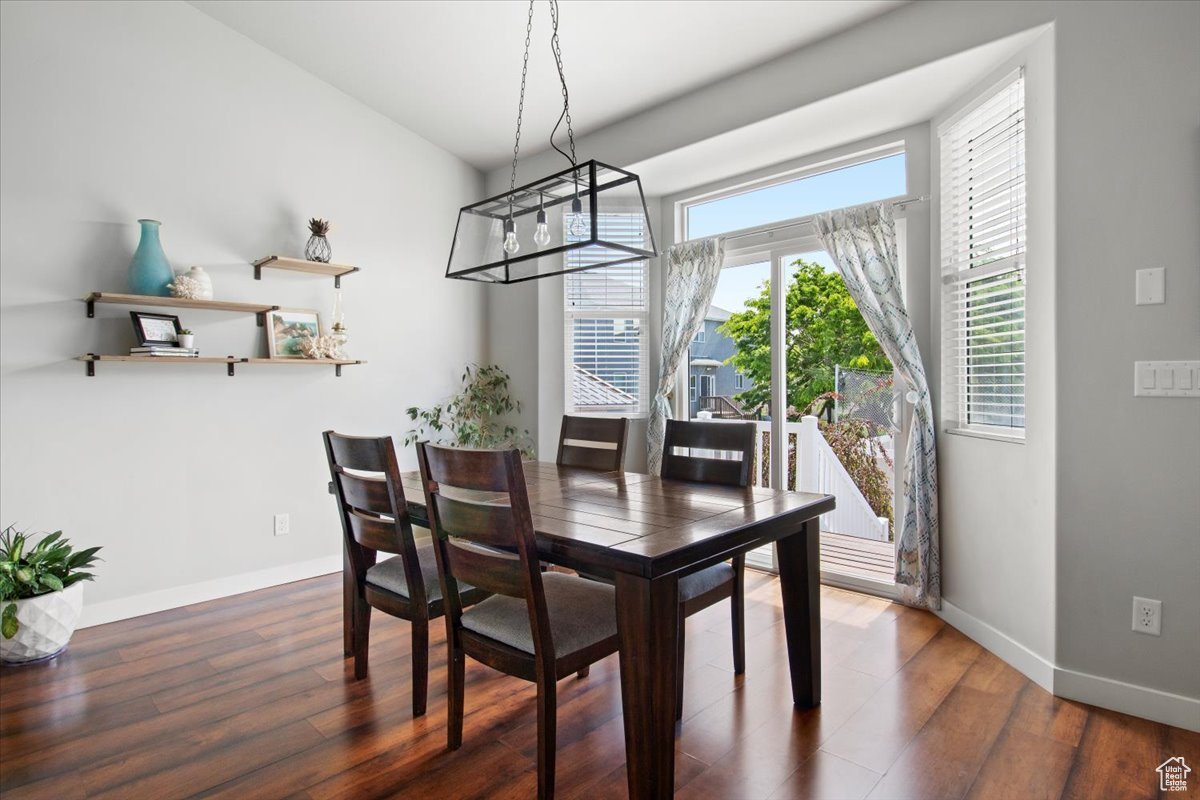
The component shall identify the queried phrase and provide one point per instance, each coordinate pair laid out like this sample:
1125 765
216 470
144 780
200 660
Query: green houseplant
474 416
41 593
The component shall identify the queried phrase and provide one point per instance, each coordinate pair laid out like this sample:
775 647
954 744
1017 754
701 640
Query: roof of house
589 389
718 313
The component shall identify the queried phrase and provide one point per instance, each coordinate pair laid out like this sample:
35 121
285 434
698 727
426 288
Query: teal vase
149 271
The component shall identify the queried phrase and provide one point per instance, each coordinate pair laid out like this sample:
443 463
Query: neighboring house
709 376
596 394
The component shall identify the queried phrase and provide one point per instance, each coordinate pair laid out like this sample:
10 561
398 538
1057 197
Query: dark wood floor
249 697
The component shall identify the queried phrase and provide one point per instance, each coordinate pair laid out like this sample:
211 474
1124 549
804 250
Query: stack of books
165 350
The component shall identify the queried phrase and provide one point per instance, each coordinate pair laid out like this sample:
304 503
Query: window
692 386
699 336
983 263
607 316
861 182
739 381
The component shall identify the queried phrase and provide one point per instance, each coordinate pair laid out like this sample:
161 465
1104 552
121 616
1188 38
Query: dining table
646 532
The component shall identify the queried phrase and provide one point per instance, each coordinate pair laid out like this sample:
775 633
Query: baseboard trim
1020 657
1128 698
151 602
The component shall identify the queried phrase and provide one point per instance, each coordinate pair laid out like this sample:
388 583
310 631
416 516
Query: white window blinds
606 315
983 262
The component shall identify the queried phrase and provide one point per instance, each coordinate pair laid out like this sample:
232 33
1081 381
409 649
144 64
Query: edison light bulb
511 245
541 236
579 227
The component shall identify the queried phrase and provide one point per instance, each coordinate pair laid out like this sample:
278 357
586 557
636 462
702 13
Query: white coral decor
187 288
320 346
46 624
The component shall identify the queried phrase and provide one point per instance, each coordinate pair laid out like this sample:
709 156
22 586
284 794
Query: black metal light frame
580 181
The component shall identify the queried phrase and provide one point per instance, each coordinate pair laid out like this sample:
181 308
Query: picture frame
284 328
156 329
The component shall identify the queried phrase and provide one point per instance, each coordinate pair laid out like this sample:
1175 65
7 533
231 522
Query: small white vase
186 339
46 623
200 276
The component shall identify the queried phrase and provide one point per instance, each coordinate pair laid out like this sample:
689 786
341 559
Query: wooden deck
859 558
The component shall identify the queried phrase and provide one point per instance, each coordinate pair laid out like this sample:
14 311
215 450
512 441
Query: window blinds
606 316
983 262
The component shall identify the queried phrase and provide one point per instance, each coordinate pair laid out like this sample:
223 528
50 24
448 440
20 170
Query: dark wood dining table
647 532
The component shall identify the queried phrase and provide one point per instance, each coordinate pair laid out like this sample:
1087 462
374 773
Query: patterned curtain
862 242
692 272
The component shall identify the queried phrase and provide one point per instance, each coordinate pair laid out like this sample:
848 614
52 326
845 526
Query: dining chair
722 580
374 514
537 626
592 443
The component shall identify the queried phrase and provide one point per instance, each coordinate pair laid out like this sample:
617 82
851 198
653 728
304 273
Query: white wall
997 498
115 111
1122 517
1128 469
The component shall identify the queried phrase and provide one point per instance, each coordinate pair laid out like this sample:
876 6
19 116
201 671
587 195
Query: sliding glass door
783 346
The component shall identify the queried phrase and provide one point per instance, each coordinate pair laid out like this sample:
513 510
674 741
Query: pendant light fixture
552 225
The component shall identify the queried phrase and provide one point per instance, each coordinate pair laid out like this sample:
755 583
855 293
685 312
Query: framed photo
287 326
155 329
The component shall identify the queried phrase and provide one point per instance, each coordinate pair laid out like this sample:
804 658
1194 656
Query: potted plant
186 338
473 417
41 594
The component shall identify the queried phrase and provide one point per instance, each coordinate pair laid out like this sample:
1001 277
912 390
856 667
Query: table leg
646 613
800 581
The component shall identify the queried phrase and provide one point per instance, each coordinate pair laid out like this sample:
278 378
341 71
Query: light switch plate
1150 286
1166 379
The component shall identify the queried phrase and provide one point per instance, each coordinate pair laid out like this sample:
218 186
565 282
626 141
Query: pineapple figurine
318 248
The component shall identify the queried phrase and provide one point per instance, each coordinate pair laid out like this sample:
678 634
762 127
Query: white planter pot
187 339
46 624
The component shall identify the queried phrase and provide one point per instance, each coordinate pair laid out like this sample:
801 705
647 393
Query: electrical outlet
283 525
1147 616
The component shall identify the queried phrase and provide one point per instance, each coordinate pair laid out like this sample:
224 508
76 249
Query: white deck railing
816 468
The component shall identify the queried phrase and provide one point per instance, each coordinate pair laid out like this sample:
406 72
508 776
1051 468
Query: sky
861 183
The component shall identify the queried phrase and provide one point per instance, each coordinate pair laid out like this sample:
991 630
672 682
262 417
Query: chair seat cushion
582 612
389 574
700 582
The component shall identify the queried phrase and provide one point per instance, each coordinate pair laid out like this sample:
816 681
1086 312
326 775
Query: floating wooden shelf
301 265
92 358
258 309
337 364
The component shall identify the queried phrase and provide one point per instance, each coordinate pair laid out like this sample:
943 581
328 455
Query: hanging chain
566 112
556 49
512 184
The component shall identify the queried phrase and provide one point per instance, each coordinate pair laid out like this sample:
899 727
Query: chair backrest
479 513
371 505
734 437
592 443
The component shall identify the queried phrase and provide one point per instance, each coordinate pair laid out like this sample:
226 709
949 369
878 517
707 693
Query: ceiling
895 102
450 71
